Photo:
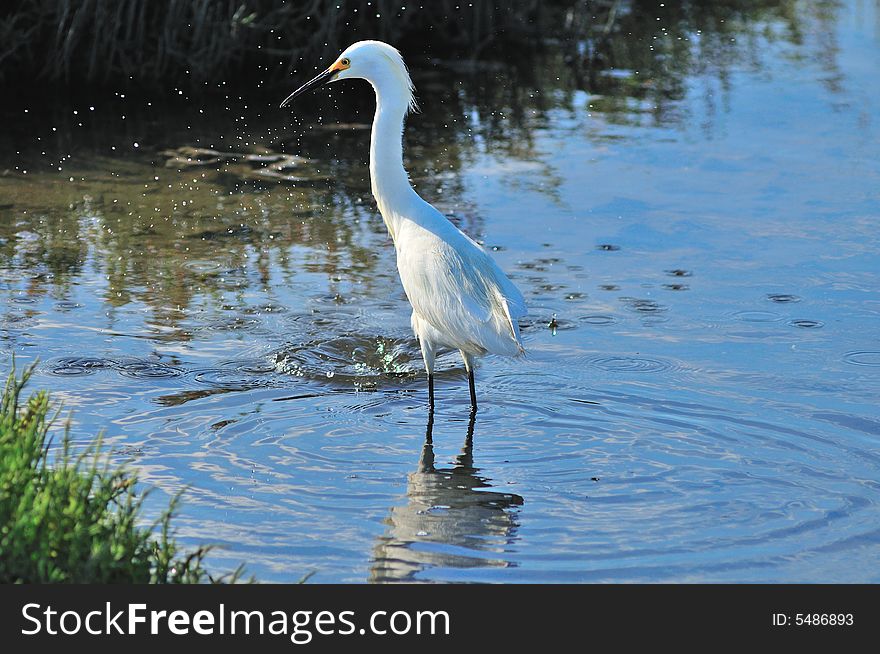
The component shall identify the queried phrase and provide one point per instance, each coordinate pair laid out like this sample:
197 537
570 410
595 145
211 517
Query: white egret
460 297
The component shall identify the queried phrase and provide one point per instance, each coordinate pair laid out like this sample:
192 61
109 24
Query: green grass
72 517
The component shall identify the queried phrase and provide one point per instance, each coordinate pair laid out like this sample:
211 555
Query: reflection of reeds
199 40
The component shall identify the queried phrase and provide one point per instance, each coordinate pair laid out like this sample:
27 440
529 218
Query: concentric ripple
142 369
631 364
72 366
531 324
136 368
234 323
783 298
757 316
241 374
869 358
598 319
643 305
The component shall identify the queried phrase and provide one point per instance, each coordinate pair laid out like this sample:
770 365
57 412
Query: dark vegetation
206 44
193 43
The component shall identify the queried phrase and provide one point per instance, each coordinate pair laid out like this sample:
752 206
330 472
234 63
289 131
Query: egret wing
463 294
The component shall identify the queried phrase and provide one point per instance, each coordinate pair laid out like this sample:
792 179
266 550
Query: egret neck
388 178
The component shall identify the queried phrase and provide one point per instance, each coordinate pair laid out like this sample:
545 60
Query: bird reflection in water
448 520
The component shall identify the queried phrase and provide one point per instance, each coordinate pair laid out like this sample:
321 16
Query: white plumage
460 297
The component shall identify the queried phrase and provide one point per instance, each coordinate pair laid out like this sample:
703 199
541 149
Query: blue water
703 408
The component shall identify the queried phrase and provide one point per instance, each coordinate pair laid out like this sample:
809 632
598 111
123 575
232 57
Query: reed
195 43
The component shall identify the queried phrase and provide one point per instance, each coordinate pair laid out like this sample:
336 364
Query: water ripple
783 298
71 366
757 316
598 320
142 369
869 358
635 364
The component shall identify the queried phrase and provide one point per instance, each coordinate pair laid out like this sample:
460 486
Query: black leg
473 390
431 393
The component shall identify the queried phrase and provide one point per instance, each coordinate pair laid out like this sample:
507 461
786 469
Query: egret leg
429 353
469 366
473 391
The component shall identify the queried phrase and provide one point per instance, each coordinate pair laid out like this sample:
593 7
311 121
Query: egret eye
345 61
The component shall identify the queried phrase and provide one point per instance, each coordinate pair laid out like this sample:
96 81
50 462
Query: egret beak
320 80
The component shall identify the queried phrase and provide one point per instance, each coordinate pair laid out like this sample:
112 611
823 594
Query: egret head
377 62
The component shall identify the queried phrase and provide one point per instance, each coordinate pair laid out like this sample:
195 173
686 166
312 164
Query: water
694 224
